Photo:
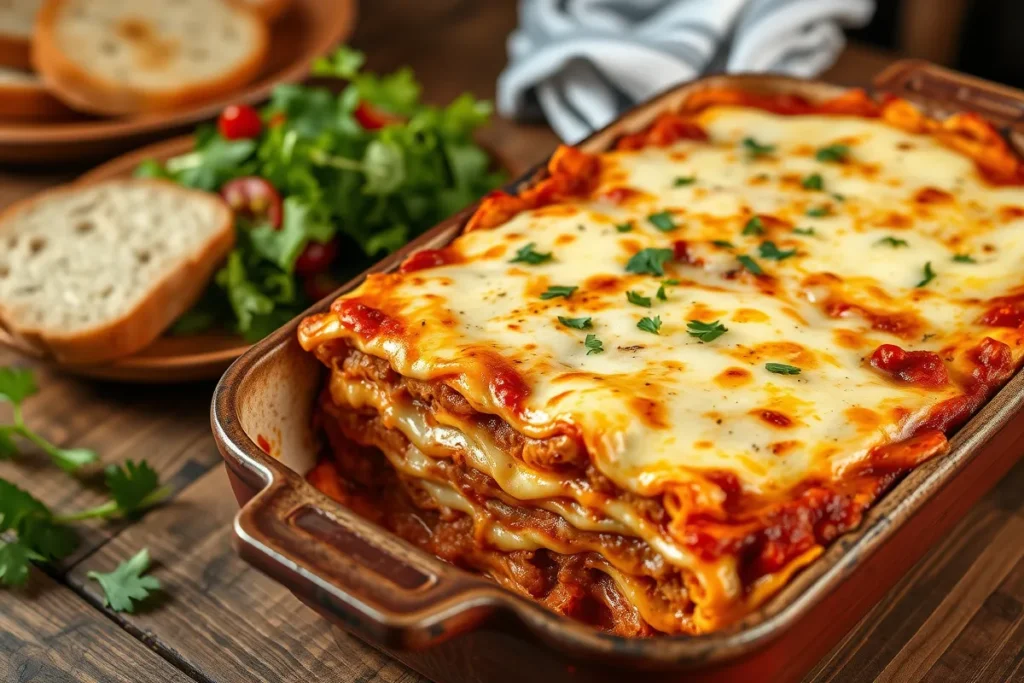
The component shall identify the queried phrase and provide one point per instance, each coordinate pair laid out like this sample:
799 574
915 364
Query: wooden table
958 615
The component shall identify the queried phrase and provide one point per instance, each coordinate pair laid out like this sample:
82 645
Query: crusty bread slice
267 9
134 56
17 18
90 273
23 97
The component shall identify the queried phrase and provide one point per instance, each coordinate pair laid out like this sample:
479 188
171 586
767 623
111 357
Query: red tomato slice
254 198
371 118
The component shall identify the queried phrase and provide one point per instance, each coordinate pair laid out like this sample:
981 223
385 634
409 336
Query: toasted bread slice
269 10
90 273
17 19
23 97
116 57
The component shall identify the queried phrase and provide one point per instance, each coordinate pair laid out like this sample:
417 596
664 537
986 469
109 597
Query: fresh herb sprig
127 584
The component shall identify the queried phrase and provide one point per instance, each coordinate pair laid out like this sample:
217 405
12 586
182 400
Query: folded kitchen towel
582 62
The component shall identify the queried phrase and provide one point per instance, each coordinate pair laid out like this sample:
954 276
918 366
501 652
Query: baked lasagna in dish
656 383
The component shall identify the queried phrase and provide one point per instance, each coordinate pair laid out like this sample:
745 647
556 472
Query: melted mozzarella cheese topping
656 410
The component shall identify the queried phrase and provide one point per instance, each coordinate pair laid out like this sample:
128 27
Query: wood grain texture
957 616
50 635
220 619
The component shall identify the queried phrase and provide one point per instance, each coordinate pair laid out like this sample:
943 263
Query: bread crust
93 94
30 101
164 303
268 10
15 51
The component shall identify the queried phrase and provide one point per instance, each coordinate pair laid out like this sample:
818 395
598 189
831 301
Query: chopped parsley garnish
804 231
126 585
662 221
838 197
964 258
650 261
756 149
750 264
638 299
576 323
782 369
706 332
894 242
813 182
929 275
684 180
835 153
558 290
725 244
770 251
624 227
819 211
661 289
754 226
527 254
593 344
652 325
671 281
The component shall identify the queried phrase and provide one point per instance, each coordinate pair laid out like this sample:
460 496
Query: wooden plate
307 29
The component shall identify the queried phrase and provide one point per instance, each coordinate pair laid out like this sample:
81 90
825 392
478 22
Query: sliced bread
17 19
23 97
90 273
117 57
267 9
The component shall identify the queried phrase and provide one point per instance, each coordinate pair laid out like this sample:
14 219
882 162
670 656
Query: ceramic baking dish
454 626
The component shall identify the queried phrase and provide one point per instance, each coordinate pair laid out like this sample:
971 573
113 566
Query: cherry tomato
319 286
239 121
254 198
316 257
371 118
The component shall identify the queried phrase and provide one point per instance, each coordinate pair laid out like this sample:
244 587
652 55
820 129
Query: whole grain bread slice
23 97
127 57
17 19
90 273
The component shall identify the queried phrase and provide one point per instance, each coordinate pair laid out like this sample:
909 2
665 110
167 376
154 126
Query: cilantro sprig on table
372 188
126 585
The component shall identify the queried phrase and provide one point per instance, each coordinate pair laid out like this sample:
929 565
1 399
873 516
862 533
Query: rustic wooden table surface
957 616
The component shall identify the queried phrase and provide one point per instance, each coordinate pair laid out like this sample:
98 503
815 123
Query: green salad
323 184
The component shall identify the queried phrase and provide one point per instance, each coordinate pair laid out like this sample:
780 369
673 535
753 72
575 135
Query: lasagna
657 382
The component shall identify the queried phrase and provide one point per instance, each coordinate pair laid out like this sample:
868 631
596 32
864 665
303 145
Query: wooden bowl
307 30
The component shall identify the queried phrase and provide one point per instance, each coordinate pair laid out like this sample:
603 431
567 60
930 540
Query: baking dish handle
376 585
948 91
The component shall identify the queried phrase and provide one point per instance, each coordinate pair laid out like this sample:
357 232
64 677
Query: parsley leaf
813 182
624 227
527 254
638 299
755 149
964 258
750 264
725 244
576 323
770 251
819 211
133 488
754 226
893 242
706 332
16 385
652 325
593 344
661 293
126 585
38 535
650 261
929 275
782 369
834 153
682 181
804 231
558 290
662 221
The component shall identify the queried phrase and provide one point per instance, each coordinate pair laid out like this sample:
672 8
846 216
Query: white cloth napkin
582 62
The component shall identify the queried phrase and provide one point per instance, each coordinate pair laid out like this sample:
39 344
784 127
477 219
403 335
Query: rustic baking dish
454 626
